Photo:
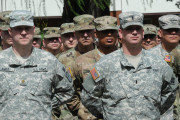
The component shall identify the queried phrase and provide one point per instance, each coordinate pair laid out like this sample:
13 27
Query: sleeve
92 93
168 90
63 86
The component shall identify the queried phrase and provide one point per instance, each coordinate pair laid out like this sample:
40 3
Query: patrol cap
37 33
106 23
84 22
51 32
21 17
169 21
4 20
67 28
131 18
150 29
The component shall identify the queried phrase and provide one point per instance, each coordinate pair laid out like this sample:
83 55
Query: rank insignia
94 73
167 58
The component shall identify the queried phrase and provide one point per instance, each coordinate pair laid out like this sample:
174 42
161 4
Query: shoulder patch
70 72
68 76
168 58
94 73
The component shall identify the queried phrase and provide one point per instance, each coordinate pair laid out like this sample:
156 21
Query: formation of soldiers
90 69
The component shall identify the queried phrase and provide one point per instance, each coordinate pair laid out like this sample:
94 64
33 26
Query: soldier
107 34
51 40
5 37
37 38
170 35
150 34
67 36
28 75
130 83
84 32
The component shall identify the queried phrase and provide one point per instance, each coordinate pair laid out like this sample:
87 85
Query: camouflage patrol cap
37 33
67 28
20 18
169 21
131 18
51 32
4 20
83 22
106 23
150 29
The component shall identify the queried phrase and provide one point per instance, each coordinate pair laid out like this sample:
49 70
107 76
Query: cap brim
149 33
51 36
171 26
79 28
67 31
21 23
132 23
37 36
106 28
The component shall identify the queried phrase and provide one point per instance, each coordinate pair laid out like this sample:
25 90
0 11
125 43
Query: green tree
73 8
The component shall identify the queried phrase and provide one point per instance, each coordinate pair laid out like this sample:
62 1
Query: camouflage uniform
82 22
26 87
167 22
119 91
27 83
85 62
37 33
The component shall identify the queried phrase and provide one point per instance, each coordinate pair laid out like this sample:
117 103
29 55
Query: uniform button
23 81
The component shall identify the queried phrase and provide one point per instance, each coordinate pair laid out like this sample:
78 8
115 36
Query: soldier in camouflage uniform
6 38
51 40
170 35
84 32
28 75
67 36
130 83
37 38
150 34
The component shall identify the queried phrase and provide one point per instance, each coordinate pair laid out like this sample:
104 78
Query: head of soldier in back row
67 36
84 32
6 38
107 33
150 36
37 38
51 40
169 31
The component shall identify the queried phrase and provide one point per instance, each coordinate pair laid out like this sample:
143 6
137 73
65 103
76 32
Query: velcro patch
94 73
168 58
68 75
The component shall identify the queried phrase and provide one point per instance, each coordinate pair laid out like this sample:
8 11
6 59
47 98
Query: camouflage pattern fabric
168 57
169 21
83 65
26 88
176 67
37 33
67 28
4 20
149 29
51 32
120 92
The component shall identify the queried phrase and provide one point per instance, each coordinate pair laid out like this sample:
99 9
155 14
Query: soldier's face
52 43
69 40
149 41
22 35
132 35
170 36
7 39
107 38
85 37
36 42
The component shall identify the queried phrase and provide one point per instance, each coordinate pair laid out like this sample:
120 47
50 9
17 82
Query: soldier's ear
10 31
160 32
120 33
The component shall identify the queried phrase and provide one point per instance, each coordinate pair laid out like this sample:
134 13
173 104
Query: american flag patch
94 73
167 58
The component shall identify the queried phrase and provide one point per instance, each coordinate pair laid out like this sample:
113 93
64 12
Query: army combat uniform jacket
121 92
26 88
